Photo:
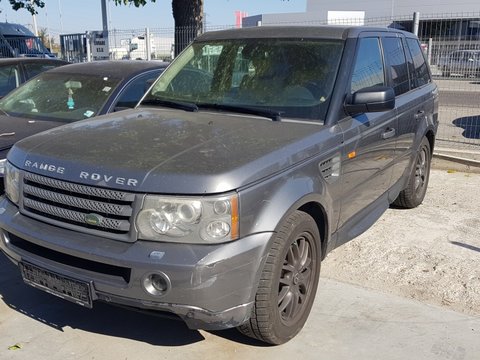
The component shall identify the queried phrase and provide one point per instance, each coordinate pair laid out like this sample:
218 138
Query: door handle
388 134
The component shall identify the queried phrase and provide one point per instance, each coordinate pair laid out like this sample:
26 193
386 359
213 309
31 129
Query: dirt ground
415 254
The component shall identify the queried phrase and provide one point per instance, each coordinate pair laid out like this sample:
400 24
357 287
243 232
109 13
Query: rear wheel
414 193
288 282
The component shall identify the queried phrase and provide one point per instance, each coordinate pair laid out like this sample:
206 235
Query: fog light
156 284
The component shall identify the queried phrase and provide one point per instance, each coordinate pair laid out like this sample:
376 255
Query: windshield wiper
271 114
172 104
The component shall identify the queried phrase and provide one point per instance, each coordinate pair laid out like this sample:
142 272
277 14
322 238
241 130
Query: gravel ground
431 253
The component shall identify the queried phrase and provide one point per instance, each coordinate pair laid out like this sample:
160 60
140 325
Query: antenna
60 11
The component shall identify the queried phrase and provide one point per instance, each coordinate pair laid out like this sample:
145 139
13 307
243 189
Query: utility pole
35 29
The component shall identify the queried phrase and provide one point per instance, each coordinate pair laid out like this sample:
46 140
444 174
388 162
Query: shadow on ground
470 126
102 319
121 322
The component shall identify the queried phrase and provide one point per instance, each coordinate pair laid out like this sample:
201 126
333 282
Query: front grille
90 207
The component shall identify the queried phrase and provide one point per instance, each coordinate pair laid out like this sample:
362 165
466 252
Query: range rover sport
254 154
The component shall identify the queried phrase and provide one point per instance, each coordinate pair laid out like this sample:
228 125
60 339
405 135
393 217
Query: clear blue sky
77 16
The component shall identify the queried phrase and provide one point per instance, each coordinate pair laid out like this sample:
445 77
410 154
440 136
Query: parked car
70 93
15 71
218 201
461 62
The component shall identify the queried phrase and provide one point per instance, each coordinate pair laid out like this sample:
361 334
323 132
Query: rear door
413 106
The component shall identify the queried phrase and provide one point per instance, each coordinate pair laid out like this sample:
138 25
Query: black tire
445 72
414 193
288 282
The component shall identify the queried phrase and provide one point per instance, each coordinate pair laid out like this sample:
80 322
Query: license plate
62 286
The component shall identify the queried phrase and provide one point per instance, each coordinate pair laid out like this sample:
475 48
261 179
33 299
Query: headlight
189 220
12 182
3 162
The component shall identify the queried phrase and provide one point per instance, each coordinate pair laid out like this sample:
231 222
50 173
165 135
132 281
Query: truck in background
17 41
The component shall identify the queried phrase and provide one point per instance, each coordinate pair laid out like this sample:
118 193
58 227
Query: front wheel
288 282
414 193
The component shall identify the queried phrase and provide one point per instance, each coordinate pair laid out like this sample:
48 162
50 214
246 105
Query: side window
9 79
33 69
369 70
395 58
420 75
132 93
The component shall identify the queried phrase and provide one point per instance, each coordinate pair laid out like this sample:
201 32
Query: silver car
461 62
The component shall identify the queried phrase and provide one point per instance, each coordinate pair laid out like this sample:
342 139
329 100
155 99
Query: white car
461 62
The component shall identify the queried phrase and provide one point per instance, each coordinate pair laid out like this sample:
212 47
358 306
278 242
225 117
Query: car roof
26 60
111 68
467 51
333 32
11 29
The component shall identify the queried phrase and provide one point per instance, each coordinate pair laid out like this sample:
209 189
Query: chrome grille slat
79 217
76 206
91 205
80 189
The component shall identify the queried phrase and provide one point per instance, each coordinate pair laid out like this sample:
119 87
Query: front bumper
212 286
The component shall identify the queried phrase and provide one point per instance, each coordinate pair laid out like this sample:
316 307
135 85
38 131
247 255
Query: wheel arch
430 135
318 213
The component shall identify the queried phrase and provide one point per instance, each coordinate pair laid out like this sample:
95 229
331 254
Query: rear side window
420 76
131 95
369 69
395 58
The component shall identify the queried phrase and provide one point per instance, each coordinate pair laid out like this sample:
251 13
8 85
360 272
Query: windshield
64 96
290 76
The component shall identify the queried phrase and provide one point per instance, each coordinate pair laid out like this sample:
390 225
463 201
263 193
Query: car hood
170 151
13 129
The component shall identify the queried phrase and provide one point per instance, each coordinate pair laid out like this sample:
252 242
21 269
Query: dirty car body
255 153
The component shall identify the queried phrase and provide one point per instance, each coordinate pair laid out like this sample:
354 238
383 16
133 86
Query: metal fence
451 43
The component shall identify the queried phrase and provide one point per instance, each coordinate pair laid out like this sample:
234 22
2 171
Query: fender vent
330 169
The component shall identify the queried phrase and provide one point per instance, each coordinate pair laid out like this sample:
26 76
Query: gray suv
254 154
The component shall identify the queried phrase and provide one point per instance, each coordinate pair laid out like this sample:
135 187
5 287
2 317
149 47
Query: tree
188 17
43 36
29 5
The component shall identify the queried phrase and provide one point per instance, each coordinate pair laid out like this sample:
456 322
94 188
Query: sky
78 16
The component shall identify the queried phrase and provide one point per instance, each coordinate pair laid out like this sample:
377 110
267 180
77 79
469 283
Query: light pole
35 30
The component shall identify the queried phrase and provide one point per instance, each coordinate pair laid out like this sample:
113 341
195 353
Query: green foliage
29 5
137 3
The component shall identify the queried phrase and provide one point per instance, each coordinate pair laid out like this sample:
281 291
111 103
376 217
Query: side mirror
372 99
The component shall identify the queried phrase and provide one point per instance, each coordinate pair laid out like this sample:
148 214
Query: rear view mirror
372 99
71 84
